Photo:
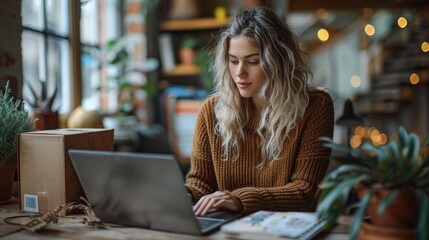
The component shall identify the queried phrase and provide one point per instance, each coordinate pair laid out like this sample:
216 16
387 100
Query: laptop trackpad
224 215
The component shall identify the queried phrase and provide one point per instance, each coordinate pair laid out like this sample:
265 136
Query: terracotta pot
7 174
401 214
369 231
46 120
187 56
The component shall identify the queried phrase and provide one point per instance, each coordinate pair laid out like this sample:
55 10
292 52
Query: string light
360 131
355 141
362 134
355 81
414 78
323 34
369 29
379 139
425 47
402 22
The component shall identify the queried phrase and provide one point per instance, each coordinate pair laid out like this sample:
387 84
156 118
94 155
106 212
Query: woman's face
244 65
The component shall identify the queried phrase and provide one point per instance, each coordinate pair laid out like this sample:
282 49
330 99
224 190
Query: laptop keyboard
209 222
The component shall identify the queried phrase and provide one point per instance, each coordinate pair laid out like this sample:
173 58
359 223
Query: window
100 22
48 48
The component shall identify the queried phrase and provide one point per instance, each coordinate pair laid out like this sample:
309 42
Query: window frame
73 40
75 50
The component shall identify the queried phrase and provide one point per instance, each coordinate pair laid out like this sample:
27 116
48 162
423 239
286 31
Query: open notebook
275 226
141 190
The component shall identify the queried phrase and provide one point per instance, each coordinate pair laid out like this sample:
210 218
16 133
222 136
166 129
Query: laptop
141 190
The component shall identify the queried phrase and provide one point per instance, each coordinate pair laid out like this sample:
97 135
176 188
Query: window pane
88 22
90 78
111 19
33 63
57 17
46 57
58 73
100 22
32 14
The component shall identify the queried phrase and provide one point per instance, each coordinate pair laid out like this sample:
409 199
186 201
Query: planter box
46 175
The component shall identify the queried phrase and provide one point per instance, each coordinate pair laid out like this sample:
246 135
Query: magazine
275 225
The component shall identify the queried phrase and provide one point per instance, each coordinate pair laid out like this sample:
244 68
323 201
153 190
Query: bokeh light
402 22
414 78
425 47
355 81
323 34
369 29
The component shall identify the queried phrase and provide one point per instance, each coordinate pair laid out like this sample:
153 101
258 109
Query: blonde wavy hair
285 92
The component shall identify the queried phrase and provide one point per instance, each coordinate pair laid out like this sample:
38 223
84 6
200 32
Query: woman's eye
254 62
235 62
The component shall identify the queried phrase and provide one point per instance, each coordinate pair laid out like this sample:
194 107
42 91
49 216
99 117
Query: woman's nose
240 71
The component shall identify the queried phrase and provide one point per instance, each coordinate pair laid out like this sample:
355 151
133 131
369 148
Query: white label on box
31 203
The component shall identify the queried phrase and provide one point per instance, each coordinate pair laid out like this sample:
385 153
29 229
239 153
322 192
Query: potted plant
115 59
42 105
187 50
384 178
14 119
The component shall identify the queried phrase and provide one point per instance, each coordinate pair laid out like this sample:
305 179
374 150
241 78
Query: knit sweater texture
288 184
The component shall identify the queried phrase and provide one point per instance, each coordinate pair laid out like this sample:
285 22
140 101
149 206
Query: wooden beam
75 54
193 24
306 5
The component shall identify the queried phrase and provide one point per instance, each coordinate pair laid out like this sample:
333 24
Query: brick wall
134 29
10 45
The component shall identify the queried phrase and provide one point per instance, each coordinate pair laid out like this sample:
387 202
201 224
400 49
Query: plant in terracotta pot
392 182
187 52
14 119
42 104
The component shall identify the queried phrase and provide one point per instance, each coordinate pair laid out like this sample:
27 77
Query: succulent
396 166
41 101
14 119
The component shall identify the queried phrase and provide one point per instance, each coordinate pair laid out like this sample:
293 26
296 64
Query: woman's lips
243 84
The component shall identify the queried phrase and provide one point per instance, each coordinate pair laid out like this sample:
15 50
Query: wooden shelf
182 70
193 24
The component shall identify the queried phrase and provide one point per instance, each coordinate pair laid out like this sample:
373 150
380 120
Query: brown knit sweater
289 184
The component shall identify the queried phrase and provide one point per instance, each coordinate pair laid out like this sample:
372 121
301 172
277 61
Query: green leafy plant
397 166
14 119
114 56
190 41
118 57
204 61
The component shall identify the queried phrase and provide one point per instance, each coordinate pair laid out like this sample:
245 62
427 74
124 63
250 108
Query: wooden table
77 230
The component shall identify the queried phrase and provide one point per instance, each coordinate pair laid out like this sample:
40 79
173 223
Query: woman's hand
215 201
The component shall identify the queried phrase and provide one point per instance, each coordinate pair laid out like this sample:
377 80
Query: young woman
256 143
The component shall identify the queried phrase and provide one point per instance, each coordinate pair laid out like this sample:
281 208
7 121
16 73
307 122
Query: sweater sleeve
311 163
201 179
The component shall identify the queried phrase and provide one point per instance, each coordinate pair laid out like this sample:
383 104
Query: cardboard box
46 175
